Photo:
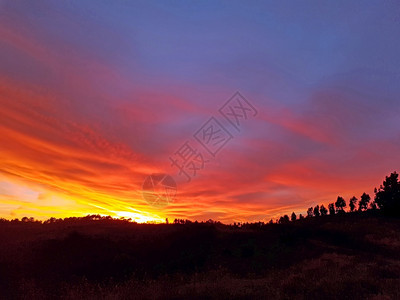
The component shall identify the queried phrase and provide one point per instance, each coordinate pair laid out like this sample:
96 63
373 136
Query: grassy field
349 256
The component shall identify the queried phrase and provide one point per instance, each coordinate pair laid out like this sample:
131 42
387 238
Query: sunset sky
97 95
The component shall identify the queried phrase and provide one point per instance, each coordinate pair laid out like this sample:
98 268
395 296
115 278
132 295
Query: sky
95 96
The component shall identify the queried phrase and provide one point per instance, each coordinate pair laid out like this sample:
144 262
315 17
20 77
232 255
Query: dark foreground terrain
332 257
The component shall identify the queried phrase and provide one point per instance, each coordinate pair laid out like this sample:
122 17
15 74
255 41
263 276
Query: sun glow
139 218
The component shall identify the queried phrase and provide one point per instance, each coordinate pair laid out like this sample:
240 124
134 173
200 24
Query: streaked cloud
96 97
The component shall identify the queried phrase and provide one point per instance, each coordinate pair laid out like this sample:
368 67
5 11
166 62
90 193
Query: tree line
387 200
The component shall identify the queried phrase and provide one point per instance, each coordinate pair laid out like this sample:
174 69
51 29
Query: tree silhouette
364 200
373 205
323 210
310 212
301 217
293 217
284 219
353 203
316 211
387 197
331 208
340 204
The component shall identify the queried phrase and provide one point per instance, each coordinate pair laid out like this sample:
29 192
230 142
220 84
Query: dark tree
387 197
310 212
316 211
340 204
331 208
364 200
353 203
301 217
284 219
323 210
293 217
373 205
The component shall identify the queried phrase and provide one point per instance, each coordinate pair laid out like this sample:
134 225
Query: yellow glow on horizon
136 217
20 199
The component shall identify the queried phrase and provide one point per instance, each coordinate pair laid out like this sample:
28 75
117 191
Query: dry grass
334 258
330 276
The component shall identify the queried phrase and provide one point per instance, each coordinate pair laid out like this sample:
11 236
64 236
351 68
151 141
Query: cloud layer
94 98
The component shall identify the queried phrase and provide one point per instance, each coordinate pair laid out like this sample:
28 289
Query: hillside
341 256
